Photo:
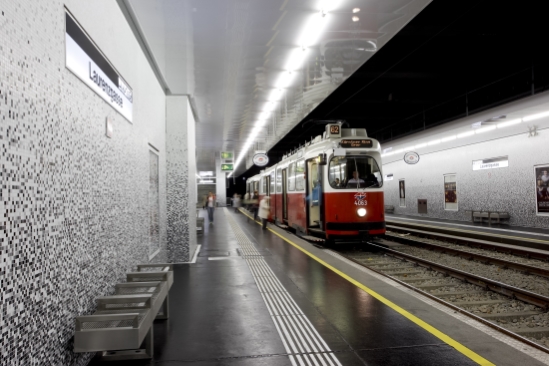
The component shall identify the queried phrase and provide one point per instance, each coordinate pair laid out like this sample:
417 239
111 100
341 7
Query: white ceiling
229 57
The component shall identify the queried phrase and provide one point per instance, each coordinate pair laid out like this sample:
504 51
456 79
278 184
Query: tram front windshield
354 172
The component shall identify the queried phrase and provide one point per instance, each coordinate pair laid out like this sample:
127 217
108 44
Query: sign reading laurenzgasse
85 60
492 163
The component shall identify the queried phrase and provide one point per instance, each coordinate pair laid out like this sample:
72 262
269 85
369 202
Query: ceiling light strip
309 36
513 122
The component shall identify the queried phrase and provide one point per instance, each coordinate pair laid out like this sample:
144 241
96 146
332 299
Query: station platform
531 237
266 297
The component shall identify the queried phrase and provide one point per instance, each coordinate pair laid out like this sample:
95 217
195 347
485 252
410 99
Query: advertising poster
542 189
402 193
450 195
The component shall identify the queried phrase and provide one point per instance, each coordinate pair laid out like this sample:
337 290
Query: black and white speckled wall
75 204
510 189
181 179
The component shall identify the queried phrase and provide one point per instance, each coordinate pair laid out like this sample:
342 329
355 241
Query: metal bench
389 209
489 215
199 223
123 322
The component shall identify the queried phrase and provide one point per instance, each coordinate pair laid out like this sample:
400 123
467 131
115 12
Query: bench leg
164 312
146 353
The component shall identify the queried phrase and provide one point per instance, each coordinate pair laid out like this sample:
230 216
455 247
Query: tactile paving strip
301 340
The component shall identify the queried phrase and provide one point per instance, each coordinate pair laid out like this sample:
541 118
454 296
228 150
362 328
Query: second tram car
329 189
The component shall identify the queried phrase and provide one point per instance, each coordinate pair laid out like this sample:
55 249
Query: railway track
525 247
513 310
511 260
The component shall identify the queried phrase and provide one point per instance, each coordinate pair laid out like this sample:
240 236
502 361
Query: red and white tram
329 189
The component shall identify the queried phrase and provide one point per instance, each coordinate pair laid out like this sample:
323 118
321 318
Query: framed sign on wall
541 176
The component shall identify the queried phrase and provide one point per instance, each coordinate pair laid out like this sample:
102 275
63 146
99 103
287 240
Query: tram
329 189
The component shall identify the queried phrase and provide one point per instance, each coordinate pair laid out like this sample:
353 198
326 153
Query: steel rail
477 238
526 268
499 287
453 307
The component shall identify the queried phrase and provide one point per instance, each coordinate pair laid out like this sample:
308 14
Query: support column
181 182
220 182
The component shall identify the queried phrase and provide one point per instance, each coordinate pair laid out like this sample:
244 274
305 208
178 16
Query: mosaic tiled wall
181 180
510 189
75 205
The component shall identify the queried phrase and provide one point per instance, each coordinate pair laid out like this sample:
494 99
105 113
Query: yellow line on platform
437 333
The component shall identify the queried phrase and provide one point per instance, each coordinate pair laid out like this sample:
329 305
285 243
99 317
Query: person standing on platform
255 204
247 198
236 202
211 207
205 201
264 210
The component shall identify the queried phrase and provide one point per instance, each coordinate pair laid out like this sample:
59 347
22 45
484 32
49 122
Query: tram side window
354 172
291 177
256 186
263 185
279 181
272 189
300 175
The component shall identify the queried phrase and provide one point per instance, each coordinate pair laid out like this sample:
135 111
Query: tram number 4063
361 202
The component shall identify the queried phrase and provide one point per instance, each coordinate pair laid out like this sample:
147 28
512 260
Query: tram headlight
361 212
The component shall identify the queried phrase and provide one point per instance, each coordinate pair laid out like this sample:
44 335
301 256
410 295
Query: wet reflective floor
219 317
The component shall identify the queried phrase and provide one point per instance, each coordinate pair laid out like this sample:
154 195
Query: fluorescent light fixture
485 129
206 181
434 142
355 18
313 29
449 138
269 107
296 59
255 131
310 34
533 117
285 79
465 134
264 115
206 173
512 122
356 10
276 95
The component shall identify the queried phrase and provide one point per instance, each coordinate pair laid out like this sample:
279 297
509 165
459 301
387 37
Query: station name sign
493 163
89 64
356 143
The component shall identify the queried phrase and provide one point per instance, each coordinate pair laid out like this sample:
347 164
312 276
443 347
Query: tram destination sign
356 143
